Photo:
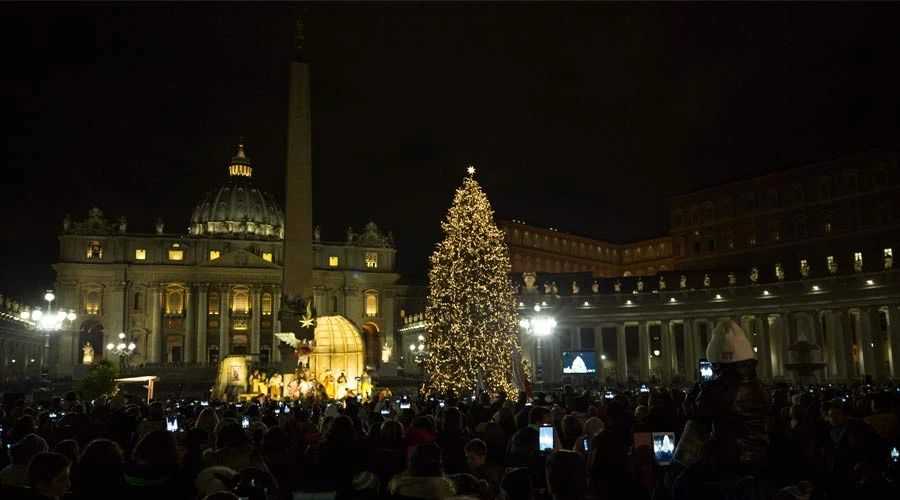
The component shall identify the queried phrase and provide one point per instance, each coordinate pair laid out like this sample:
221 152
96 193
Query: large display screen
579 362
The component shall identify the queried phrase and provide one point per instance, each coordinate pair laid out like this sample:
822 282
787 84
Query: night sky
579 116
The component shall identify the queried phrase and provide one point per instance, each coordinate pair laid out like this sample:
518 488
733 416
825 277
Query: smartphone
245 422
706 371
663 447
586 444
545 438
644 389
172 423
895 455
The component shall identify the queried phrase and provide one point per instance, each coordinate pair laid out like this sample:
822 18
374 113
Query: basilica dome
237 209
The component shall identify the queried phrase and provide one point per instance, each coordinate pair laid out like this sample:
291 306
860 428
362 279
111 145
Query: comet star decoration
471 311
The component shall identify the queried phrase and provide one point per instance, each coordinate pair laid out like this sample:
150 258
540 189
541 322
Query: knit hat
729 344
425 460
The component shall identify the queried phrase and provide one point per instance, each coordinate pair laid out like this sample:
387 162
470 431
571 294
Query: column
189 337
776 343
276 323
666 351
156 342
690 357
202 320
644 349
224 319
621 353
254 320
600 352
764 352
894 340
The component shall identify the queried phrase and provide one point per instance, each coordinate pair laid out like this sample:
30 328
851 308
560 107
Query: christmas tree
471 309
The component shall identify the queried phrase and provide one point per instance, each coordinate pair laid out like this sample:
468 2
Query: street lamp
539 327
47 323
122 350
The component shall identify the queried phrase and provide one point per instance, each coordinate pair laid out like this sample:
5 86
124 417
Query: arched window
371 299
266 304
174 302
241 300
213 303
92 301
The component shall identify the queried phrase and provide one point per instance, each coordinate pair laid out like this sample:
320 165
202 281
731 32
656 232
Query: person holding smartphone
737 406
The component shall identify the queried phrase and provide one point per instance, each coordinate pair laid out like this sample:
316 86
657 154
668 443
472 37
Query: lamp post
48 323
539 327
122 350
417 351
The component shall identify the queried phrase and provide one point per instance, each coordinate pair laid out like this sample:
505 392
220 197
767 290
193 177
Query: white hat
729 344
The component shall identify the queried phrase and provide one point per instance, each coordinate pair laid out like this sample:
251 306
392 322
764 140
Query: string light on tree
471 310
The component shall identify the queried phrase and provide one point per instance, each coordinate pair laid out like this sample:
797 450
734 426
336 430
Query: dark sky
580 116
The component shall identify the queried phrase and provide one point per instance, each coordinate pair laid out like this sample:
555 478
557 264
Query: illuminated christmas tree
471 309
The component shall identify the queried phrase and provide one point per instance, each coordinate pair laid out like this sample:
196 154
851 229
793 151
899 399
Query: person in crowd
16 473
735 405
98 472
48 475
232 449
425 477
69 449
567 476
153 472
477 460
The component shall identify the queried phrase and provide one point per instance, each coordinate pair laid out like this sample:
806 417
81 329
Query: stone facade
194 299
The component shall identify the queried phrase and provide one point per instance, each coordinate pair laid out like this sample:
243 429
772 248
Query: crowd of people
734 438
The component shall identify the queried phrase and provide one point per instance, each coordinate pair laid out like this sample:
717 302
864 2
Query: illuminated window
140 254
267 256
92 302
371 260
241 301
174 303
333 261
214 303
214 254
371 304
94 250
266 304
176 253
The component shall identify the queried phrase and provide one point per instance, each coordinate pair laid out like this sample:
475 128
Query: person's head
516 485
231 435
837 417
593 426
540 415
567 476
391 429
69 449
425 460
728 345
156 449
207 420
21 452
48 474
571 427
476 453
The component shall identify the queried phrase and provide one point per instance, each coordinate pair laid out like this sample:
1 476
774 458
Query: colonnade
853 342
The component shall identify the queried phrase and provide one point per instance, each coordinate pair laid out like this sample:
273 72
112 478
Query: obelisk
298 251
